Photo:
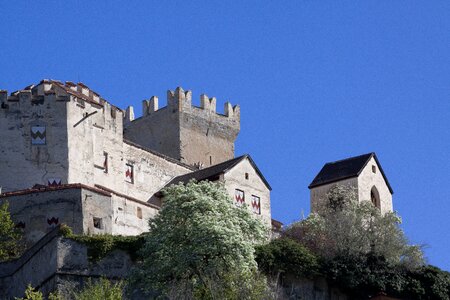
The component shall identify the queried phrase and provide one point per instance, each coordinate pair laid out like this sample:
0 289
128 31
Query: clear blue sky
317 81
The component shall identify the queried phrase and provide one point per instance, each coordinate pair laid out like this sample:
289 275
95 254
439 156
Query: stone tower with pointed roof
364 173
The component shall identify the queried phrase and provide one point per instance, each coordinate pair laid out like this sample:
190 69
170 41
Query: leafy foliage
100 245
31 294
344 227
101 290
200 244
10 236
284 255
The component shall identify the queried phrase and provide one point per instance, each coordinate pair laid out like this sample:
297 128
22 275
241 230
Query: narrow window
38 135
256 204
98 223
239 197
210 160
129 173
375 197
139 212
105 162
374 169
246 176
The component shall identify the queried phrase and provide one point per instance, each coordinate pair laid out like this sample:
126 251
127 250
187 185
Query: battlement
48 88
181 100
51 91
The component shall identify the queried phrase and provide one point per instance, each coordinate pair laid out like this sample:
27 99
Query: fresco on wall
239 198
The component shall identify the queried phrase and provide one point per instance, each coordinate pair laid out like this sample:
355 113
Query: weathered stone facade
193 135
362 173
58 135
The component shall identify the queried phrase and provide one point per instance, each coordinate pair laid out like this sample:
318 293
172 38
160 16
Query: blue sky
317 81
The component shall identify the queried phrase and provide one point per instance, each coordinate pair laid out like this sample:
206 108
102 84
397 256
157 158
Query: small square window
374 169
98 223
129 173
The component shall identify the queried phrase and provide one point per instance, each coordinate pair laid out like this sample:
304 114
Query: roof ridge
348 158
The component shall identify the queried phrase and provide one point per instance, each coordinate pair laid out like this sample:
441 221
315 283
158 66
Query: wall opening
139 212
375 197
98 222
105 162
246 176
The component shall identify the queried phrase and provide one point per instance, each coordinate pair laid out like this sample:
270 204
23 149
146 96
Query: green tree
201 246
9 235
346 227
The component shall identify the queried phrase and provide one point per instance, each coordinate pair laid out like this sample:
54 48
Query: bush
285 255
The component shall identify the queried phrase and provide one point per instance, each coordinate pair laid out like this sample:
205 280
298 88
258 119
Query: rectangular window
105 162
139 212
129 173
38 135
239 197
98 223
256 205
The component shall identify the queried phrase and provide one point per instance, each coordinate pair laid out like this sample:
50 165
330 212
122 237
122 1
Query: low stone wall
317 289
55 262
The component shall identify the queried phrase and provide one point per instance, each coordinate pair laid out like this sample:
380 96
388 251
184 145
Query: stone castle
69 156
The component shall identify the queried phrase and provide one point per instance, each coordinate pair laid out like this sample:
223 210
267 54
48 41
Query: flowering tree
201 246
345 227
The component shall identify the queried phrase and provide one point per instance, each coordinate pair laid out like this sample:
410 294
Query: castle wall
95 135
367 179
207 137
55 263
33 138
86 210
253 186
159 131
318 194
37 213
187 133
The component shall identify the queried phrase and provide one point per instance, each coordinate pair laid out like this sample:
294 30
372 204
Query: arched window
375 197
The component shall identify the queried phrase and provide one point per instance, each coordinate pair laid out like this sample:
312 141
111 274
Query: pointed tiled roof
212 173
344 169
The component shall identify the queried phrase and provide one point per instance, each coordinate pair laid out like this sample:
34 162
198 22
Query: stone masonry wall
185 132
318 193
55 262
95 133
23 164
253 186
368 179
37 212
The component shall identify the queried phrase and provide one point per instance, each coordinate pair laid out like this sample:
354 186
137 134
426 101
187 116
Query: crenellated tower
190 134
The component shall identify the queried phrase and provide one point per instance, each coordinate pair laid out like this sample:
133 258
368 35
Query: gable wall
367 179
235 179
318 193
